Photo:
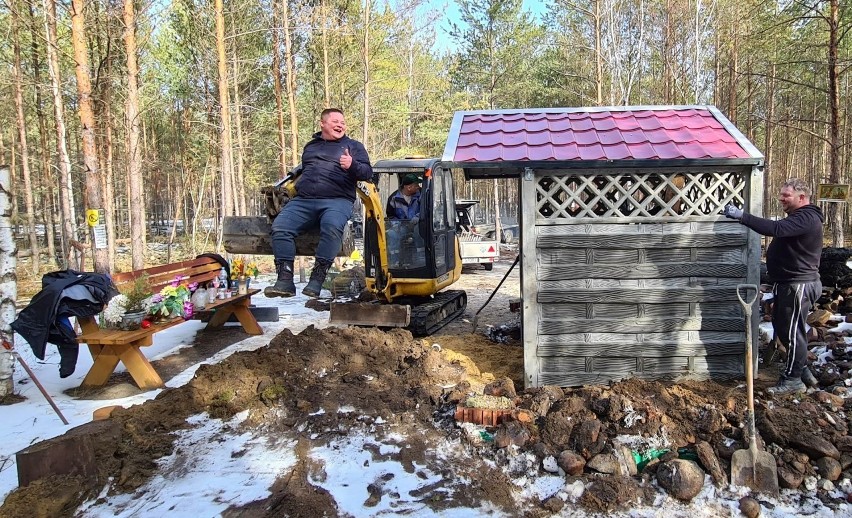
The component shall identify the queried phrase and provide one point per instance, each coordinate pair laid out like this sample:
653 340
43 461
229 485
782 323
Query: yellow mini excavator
406 262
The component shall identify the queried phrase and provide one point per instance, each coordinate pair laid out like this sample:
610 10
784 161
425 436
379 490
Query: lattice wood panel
638 194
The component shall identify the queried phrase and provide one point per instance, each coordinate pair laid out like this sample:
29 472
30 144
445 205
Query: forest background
172 114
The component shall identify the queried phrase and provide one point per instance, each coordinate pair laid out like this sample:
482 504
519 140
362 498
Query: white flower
115 309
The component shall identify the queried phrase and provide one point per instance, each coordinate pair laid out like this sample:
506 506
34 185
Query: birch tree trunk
224 114
279 95
87 128
22 142
8 283
835 174
134 153
66 199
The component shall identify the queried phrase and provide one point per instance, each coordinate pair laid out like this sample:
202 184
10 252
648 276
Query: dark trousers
792 303
300 214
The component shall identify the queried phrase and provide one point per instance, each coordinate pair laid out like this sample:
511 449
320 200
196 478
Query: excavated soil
406 386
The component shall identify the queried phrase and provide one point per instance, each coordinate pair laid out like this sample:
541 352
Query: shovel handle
750 301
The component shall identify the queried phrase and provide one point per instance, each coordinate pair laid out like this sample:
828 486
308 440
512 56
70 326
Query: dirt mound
310 383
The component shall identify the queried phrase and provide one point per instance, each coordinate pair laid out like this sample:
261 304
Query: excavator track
443 308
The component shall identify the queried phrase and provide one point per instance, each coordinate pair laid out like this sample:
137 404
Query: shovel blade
756 470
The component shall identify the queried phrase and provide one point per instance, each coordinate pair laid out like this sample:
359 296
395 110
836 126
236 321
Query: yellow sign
92 217
833 192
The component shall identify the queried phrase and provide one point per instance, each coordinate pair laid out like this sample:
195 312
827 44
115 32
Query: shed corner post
529 286
753 252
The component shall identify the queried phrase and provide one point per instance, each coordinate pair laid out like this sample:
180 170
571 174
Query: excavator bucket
370 314
251 235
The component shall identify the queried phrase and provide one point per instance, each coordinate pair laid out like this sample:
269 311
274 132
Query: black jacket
322 176
794 254
45 319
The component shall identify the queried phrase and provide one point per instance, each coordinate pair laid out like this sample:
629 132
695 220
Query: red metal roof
645 133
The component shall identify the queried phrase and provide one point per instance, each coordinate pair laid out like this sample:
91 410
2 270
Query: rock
571 463
825 485
556 429
628 462
555 393
683 479
553 504
539 404
789 478
511 432
819 318
816 447
811 483
605 463
549 464
711 463
749 507
807 407
504 387
828 468
524 416
845 461
710 421
584 438
844 443
828 399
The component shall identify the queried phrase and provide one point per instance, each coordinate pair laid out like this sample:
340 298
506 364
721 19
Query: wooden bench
110 346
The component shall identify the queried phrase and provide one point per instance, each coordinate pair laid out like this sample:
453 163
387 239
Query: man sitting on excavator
403 204
332 164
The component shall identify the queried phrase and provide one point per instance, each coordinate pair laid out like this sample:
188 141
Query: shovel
752 468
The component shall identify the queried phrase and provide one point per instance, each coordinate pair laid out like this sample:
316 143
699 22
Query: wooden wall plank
640 240
639 325
625 310
554 292
650 339
641 271
642 349
577 379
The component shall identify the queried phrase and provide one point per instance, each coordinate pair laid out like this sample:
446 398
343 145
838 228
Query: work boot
314 286
808 377
787 386
284 286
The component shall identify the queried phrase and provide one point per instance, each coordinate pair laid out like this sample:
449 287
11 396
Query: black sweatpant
792 303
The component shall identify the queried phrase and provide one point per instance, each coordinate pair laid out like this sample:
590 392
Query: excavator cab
408 261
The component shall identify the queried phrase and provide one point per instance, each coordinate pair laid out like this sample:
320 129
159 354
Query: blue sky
451 14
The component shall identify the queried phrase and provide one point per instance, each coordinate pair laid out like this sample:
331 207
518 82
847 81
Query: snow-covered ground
214 480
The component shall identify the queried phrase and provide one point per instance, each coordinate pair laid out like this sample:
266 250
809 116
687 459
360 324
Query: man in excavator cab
403 207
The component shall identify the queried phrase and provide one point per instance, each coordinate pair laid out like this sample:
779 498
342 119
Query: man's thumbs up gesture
345 159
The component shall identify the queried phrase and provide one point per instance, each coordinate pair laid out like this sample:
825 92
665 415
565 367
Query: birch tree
8 284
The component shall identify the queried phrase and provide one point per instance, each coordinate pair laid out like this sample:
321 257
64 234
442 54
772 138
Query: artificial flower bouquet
173 300
240 268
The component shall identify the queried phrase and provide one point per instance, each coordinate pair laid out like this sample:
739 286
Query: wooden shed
627 266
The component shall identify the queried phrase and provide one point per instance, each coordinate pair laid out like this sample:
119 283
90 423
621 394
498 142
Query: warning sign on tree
96 220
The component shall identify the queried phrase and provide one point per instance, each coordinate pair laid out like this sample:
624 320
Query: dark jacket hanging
45 319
